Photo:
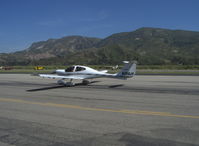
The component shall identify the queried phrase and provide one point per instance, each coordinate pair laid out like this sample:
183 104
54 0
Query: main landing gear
85 82
62 82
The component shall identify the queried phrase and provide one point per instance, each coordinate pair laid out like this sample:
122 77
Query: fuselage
84 72
77 72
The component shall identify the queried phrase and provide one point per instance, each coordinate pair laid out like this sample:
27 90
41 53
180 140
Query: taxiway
143 111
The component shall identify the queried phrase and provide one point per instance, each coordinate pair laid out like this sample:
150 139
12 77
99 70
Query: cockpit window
78 68
70 69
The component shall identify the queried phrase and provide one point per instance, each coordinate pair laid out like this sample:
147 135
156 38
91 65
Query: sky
23 22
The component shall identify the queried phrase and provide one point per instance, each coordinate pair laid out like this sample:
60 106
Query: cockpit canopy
70 69
79 68
74 69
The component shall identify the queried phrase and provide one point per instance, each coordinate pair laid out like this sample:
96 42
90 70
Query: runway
143 111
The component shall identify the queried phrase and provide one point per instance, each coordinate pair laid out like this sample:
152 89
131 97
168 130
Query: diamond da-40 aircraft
84 73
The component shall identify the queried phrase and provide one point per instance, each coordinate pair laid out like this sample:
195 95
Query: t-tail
128 71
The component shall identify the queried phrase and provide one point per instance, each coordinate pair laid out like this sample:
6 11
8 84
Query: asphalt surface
143 111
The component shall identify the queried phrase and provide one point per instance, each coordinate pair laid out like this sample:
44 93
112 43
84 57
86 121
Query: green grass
26 71
139 71
160 67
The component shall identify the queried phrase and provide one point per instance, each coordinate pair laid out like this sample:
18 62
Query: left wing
61 77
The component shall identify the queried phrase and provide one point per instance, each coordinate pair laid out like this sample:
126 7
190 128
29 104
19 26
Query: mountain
59 47
147 45
156 46
48 50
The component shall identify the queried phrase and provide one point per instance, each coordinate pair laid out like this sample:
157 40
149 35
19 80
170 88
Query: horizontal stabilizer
104 71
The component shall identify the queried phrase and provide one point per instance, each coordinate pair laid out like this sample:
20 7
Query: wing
61 77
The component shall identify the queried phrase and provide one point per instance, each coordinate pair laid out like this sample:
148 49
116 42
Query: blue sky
23 22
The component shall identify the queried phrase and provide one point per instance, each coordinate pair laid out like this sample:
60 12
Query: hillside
156 46
147 45
47 50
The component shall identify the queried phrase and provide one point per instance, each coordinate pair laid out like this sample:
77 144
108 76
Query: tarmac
142 111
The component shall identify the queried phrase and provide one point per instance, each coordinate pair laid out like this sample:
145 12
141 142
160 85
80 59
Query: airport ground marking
135 112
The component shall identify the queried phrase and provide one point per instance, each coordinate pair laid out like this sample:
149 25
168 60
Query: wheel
69 84
61 82
85 82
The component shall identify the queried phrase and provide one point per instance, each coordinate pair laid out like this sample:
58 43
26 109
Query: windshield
70 69
78 68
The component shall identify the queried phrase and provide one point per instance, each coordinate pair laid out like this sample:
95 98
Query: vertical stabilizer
128 70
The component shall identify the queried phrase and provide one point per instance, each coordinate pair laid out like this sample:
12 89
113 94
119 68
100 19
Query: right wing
61 77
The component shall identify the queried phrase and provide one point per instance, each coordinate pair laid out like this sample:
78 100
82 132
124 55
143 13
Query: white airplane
78 72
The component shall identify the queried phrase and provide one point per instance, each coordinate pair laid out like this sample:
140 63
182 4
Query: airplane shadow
59 86
114 86
46 88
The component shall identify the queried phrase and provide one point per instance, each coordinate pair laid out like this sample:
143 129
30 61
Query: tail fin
128 70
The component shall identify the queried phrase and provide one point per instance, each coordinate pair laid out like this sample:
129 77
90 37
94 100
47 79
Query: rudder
128 70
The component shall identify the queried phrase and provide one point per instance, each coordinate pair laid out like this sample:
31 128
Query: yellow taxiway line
135 112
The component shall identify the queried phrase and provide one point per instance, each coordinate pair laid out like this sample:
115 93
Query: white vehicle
84 73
